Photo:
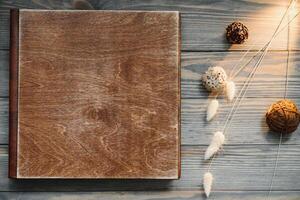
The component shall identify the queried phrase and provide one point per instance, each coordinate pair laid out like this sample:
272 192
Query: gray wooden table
245 168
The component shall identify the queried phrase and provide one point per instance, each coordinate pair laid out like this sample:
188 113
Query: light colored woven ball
283 116
214 79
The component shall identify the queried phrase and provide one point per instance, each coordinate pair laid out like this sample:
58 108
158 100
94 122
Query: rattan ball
214 79
236 33
283 116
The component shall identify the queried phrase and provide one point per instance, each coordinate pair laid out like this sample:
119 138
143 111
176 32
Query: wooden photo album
94 94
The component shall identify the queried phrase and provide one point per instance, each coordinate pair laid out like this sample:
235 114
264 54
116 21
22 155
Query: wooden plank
4 29
268 82
189 5
3 120
247 127
203 24
193 64
267 86
241 167
157 195
4 74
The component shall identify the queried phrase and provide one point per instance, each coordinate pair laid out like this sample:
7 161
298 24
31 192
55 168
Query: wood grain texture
193 64
4 74
247 126
92 88
195 131
203 23
4 121
268 82
157 195
194 128
245 167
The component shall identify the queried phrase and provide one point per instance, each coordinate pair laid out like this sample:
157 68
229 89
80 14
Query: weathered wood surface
268 82
267 86
195 63
4 74
4 121
249 120
203 22
245 170
153 195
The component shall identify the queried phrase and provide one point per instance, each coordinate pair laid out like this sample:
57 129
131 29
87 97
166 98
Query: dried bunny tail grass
212 109
210 151
207 183
230 90
216 143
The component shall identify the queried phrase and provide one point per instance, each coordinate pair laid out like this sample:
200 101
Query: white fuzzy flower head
207 183
215 145
212 109
230 90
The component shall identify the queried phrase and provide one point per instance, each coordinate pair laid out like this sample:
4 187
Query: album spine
13 92
179 95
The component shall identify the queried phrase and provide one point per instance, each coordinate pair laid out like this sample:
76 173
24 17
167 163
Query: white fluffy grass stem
237 102
207 183
249 78
216 143
230 90
212 109
246 83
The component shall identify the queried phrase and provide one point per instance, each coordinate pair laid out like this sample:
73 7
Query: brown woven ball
283 116
236 33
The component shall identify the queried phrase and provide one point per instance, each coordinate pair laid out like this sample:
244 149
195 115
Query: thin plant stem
281 133
232 76
248 81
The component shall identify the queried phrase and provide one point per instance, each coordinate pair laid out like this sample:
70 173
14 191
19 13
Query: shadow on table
88 185
273 137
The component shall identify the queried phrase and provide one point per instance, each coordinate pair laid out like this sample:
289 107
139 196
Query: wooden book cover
94 94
